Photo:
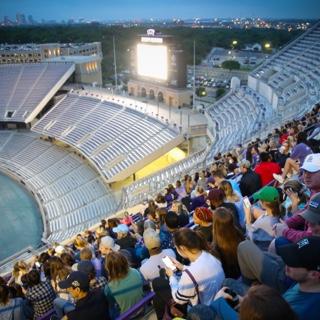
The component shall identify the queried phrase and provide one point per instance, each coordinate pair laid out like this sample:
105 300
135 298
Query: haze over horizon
106 10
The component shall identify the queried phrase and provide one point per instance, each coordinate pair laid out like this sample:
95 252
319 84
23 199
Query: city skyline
99 10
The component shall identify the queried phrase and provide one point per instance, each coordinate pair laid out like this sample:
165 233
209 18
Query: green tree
230 65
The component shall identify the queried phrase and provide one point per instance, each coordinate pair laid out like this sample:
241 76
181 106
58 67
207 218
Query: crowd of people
239 240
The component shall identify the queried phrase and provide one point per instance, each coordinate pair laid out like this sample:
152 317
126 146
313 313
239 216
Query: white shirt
150 269
208 273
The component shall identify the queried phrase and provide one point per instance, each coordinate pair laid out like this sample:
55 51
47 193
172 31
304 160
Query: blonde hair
229 192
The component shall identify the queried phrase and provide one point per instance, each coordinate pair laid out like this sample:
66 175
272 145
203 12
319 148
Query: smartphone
246 202
168 263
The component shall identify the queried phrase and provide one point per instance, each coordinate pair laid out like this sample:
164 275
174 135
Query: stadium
86 155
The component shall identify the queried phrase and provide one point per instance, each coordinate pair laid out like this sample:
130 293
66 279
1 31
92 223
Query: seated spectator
226 238
197 284
19 269
90 304
296 227
297 157
95 282
166 233
107 245
295 197
161 201
183 215
219 176
282 154
124 238
58 272
299 261
233 197
39 294
260 302
10 308
250 181
199 199
252 155
180 190
217 198
86 255
259 223
150 267
125 283
203 218
266 168
127 219
170 195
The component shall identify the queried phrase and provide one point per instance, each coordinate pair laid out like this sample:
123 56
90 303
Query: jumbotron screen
152 61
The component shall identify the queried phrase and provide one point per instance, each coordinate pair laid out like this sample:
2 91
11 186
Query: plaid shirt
41 297
98 283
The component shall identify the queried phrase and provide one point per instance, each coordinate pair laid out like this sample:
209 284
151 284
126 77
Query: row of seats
293 74
71 194
25 86
112 136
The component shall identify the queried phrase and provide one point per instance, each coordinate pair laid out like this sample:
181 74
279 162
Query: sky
104 10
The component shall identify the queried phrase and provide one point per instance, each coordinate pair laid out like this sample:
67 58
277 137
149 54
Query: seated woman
226 238
202 279
233 197
298 154
125 283
10 308
203 218
260 222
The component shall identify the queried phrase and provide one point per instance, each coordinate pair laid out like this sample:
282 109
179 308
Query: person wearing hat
250 181
89 304
124 238
150 267
203 218
302 260
95 282
297 227
259 223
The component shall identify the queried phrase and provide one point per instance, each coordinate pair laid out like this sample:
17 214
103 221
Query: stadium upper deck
25 89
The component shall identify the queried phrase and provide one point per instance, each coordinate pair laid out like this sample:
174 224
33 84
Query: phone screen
169 264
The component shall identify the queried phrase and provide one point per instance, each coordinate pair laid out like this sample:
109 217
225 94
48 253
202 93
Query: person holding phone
205 269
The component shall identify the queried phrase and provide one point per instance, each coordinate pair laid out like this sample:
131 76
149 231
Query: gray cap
245 164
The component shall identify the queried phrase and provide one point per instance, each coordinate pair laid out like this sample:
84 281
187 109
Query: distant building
21 19
30 53
88 68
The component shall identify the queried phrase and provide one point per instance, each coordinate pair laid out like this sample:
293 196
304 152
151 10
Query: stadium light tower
115 65
194 76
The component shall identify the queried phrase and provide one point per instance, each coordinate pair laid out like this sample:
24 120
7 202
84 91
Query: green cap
268 194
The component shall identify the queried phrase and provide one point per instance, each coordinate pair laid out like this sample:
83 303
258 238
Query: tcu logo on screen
151 32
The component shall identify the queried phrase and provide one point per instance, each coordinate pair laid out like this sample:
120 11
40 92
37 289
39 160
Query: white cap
59 249
108 242
312 163
121 228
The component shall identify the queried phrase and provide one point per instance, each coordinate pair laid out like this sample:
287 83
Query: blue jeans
62 307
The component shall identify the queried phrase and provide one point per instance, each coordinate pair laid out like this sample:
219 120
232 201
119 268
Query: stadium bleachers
70 193
29 87
114 137
290 80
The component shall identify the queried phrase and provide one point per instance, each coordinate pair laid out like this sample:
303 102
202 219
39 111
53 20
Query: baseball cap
303 254
267 193
76 279
121 228
109 242
312 213
151 239
86 267
216 194
312 162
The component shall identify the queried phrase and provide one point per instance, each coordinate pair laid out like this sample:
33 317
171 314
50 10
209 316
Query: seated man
299 261
90 304
151 267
